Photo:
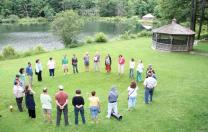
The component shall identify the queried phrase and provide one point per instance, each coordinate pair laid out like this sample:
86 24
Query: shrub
1 57
133 36
29 21
13 18
1 18
100 37
144 33
39 49
9 52
125 35
89 39
27 53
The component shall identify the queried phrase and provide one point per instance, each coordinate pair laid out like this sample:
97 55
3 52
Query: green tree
179 9
67 25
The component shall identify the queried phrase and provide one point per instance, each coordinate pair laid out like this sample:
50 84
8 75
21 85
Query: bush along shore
9 52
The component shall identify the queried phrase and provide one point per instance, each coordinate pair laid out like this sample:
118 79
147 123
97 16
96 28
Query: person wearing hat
62 105
149 83
46 102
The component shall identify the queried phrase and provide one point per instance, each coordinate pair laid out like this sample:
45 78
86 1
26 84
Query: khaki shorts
65 66
46 111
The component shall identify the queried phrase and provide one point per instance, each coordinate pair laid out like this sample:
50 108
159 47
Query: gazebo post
171 42
188 43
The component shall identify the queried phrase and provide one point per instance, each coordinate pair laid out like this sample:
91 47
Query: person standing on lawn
121 63
22 77
86 61
30 102
132 95
74 64
62 106
94 106
150 83
140 68
97 62
131 68
65 64
46 102
38 70
108 63
29 73
78 103
51 67
18 92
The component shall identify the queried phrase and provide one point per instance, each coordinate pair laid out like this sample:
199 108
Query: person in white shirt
140 68
131 67
46 105
18 92
38 69
97 62
132 95
150 83
51 67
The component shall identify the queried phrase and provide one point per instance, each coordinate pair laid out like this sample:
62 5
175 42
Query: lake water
24 37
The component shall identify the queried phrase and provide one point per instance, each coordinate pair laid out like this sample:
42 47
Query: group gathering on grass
23 84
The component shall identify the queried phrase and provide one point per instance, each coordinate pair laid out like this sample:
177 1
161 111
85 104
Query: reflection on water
27 37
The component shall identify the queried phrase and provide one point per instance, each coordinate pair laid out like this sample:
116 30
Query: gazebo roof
174 29
148 16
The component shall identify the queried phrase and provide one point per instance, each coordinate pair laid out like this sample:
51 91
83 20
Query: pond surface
24 37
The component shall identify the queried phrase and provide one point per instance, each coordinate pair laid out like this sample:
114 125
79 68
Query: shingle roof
174 29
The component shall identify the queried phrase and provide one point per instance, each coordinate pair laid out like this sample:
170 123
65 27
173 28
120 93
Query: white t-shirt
51 64
132 64
150 82
18 91
140 67
46 101
132 92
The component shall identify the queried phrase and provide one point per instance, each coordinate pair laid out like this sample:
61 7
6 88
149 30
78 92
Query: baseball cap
61 87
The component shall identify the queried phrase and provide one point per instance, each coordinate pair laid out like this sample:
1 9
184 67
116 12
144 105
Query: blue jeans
148 95
51 71
132 102
76 112
94 111
131 73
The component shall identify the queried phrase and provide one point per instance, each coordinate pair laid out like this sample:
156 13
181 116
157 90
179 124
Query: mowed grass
180 99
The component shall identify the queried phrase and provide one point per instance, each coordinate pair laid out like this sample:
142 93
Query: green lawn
202 47
180 100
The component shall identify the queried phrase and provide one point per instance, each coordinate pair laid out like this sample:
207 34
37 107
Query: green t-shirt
64 61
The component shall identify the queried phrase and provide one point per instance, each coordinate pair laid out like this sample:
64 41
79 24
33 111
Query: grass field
180 100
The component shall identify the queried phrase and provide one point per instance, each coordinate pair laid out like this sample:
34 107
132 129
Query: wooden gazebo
173 37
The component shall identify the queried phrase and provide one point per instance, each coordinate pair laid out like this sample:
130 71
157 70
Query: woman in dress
30 102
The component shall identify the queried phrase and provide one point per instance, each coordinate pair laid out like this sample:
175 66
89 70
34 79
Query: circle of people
21 90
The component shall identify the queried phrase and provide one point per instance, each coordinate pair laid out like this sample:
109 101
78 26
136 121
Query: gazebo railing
168 47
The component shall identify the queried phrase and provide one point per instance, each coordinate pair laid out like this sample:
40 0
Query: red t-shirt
61 97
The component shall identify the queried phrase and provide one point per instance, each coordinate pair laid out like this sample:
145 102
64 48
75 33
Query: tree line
48 8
